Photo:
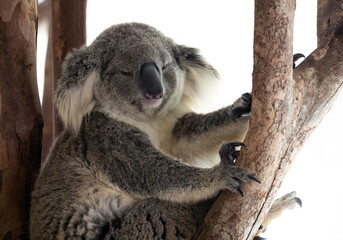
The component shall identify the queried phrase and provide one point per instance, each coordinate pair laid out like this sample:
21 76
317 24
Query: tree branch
285 111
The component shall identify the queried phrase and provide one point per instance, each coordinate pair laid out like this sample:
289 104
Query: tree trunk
20 115
285 111
68 32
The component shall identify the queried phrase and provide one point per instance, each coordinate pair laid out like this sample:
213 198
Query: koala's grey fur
126 149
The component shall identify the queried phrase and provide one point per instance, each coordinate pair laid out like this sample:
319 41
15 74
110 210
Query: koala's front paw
241 106
240 174
228 152
228 155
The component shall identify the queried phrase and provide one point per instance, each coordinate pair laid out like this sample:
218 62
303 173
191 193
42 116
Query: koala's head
131 70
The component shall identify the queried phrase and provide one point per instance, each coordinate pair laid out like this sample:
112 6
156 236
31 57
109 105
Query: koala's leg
156 219
286 202
198 137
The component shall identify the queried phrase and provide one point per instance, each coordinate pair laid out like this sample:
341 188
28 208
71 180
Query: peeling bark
284 113
20 115
68 32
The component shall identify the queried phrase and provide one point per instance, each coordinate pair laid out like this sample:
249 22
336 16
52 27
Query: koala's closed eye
126 73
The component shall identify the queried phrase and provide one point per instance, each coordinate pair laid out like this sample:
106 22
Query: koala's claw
298 201
247 97
240 191
241 175
229 153
296 57
244 108
257 180
259 238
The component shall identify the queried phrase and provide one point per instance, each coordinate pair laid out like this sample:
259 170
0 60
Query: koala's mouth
151 103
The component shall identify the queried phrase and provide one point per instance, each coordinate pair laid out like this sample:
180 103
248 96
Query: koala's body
131 134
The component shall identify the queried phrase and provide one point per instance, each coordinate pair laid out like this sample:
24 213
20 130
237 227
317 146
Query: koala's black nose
151 80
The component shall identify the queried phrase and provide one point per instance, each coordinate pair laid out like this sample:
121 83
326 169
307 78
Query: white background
223 31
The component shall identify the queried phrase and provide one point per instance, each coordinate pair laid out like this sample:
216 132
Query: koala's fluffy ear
74 95
201 79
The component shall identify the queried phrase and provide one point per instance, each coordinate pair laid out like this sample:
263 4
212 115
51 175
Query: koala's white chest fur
159 129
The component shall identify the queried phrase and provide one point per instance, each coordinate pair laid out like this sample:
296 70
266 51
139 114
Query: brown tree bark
285 111
20 115
68 32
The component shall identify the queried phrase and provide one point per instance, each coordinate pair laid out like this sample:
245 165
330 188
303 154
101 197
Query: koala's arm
146 173
132 163
203 134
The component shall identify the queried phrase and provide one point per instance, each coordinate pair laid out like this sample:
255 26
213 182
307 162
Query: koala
131 134
135 146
